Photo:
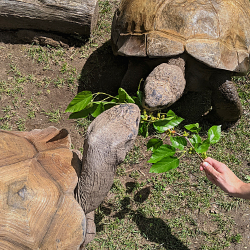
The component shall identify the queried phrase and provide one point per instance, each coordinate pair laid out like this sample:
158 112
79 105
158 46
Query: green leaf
81 114
171 113
124 96
143 129
154 143
108 105
80 101
140 96
162 125
161 152
203 147
97 109
196 139
165 165
138 99
178 142
193 127
214 134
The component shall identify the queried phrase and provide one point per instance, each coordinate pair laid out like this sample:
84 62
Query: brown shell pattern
216 32
37 180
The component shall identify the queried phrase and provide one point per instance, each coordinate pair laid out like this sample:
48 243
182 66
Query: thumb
210 169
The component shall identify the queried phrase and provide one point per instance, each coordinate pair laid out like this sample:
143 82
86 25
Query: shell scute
29 202
37 206
14 149
225 23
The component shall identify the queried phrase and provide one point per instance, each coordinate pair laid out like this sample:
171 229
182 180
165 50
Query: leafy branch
164 157
85 103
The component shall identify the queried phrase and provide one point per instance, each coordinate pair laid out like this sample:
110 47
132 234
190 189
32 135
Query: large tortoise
39 174
187 45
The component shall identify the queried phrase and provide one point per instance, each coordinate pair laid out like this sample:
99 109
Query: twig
191 145
141 172
129 170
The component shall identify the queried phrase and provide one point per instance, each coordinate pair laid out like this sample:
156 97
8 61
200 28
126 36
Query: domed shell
215 32
37 181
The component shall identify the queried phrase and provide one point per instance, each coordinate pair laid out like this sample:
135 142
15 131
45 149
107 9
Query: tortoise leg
90 229
137 69
226 105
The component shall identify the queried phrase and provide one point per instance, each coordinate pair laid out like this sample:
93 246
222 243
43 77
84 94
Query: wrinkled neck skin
98 170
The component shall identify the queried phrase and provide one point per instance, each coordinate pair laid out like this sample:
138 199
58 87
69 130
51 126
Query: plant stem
190 145
101 93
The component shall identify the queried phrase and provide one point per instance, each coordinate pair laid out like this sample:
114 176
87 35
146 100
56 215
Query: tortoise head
163 87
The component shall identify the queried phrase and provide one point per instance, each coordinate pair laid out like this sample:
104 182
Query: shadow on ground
156 230
52 39
103 71
152 229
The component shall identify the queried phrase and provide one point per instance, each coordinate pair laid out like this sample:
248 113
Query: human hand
220 175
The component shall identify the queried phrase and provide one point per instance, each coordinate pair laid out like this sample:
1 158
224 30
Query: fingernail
205 164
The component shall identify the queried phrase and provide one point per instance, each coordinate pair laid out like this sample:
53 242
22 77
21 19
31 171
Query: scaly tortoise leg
137 70
226 105
90 229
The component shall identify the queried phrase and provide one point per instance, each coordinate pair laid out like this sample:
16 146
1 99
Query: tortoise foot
226 105
90 229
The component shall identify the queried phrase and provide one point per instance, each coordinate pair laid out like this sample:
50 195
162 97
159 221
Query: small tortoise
187 45
39 174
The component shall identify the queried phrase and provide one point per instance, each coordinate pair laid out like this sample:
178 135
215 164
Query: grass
53 115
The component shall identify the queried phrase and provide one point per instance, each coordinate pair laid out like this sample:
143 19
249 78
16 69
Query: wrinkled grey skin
109 137
163 87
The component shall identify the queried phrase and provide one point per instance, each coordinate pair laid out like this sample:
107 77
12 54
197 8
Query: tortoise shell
37 181
215 32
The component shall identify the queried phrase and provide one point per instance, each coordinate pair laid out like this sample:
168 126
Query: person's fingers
210 169
210 172
218 166
201 167
211 178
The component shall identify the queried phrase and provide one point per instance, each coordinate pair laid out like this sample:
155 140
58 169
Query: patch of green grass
82 125
59 82
46 55
134 156
134 174
20 123
53 115
236 238
64 68
5 125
